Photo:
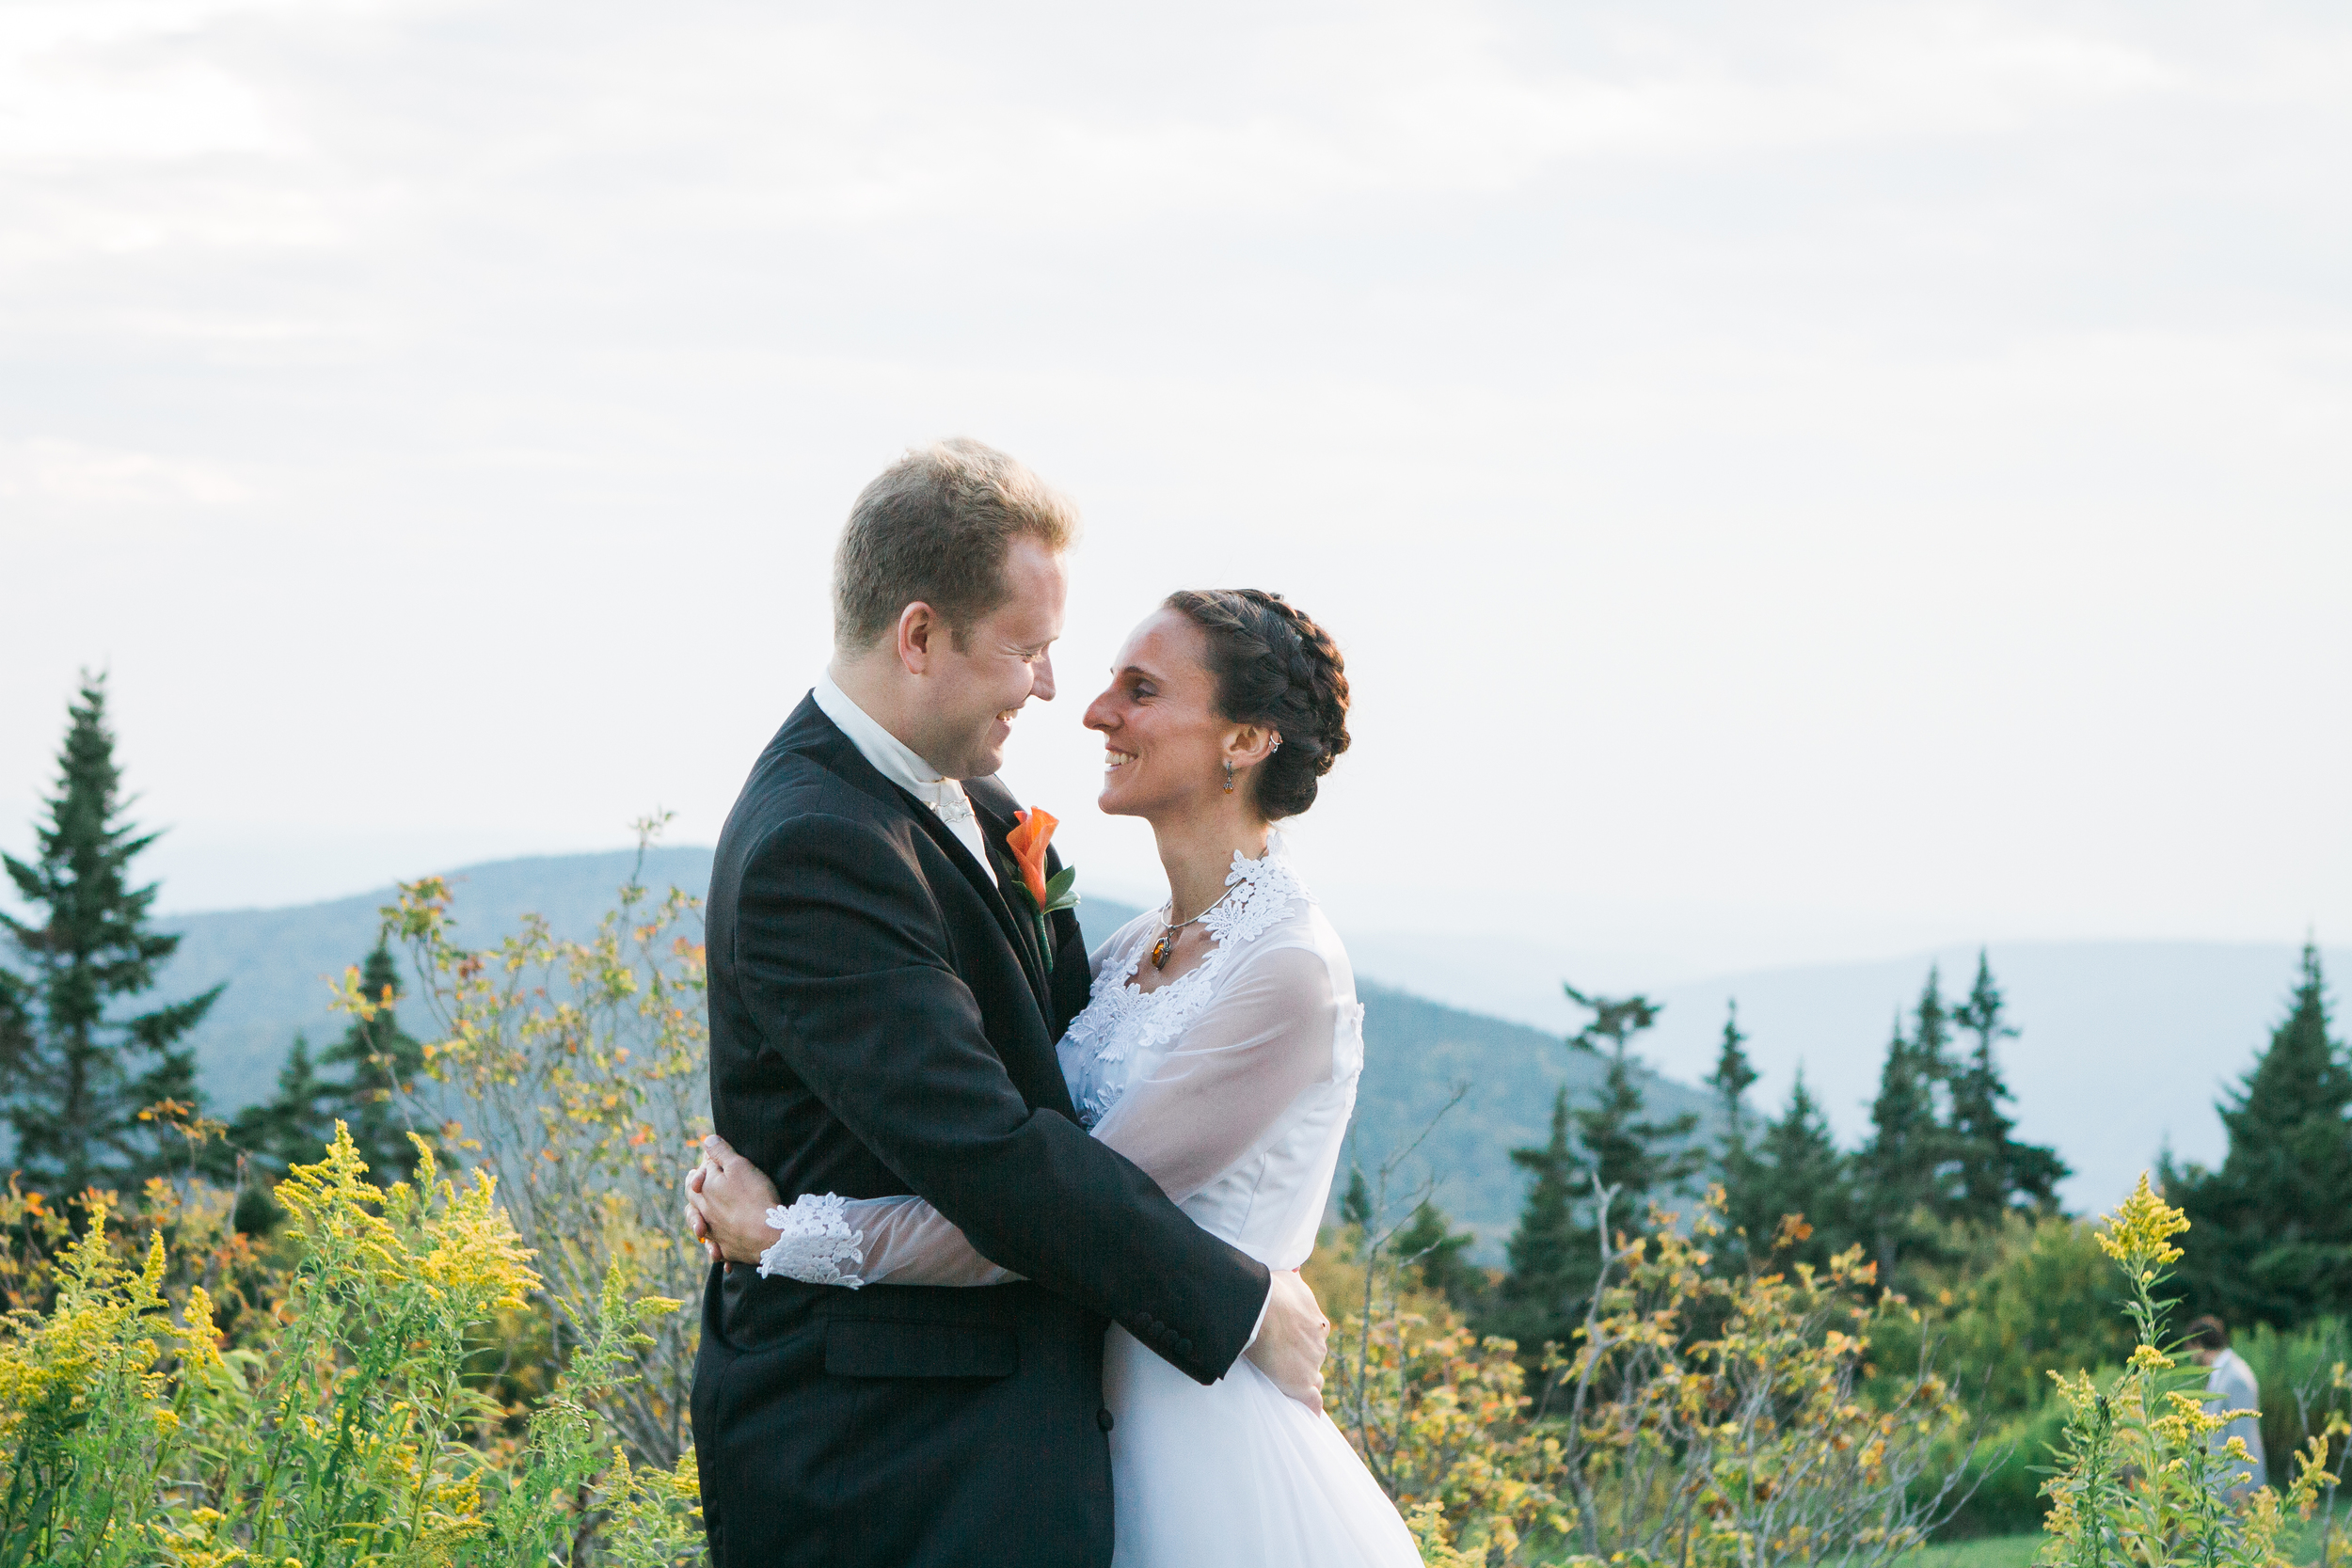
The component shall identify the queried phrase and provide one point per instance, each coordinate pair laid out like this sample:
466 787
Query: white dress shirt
895 760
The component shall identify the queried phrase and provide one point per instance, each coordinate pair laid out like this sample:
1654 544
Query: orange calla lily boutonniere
1027 843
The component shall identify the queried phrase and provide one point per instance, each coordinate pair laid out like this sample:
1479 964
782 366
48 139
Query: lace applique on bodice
1122 1021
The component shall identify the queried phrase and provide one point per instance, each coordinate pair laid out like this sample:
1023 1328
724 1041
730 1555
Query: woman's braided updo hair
1274 667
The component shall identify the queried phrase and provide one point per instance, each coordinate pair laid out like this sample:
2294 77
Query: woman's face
1164 741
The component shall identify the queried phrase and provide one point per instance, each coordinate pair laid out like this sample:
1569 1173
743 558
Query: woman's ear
1249 745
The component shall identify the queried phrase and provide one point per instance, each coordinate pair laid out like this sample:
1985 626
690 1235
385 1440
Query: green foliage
1437 1255
1996 1172
2272 1237
1551 1266
2144 1476
93 1099
1795 1168
2018 1302
2301 1392
381 1063
577 1068
1903 1166
1702 1416
342 1426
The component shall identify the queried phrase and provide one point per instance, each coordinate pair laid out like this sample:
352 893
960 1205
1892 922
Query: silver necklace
1163 948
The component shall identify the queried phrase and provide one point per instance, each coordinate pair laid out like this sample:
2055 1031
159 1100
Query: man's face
971 693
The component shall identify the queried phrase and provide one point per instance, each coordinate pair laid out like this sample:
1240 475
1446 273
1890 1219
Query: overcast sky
1792 483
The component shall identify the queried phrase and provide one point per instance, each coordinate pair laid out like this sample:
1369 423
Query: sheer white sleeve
1216 1096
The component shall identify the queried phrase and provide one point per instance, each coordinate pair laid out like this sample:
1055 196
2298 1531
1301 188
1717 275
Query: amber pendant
1162 948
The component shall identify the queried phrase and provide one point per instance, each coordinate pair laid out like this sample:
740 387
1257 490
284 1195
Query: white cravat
895 760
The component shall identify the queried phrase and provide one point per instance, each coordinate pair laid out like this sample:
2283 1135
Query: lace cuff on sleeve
817 1244
830 1240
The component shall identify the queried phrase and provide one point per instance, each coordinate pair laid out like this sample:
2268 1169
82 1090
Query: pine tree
1355 1208
1733 1078
1996 1172
1639 1158
1736 1165
1799 1170
1554 1255
2271 1230
79 1078
381 1062
1437 1252
1904 1166
290 1129
1549 1262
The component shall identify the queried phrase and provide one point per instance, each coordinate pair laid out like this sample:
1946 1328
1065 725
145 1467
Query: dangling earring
1228 778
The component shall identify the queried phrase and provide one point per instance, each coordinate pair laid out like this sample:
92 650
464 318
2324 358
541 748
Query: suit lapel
992 802
845 761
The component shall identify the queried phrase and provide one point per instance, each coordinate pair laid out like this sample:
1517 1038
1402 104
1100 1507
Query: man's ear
918 626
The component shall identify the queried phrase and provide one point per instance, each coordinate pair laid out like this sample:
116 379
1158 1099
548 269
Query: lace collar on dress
1123 1017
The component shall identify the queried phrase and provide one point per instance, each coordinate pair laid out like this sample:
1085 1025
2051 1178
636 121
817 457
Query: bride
1219 1052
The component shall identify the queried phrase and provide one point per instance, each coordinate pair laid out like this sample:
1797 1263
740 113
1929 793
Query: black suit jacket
883 1022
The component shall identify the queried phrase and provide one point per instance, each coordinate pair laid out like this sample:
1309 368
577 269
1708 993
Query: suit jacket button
1103 1419
1184 1347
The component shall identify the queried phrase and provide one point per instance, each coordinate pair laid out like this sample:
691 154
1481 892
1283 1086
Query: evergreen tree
1736 1165
1554 1255
1904 1167
1996 1173
1355 1208
1551 1262
1732 1079
79 1078
1437 1252
290 1129
381 1061
1639 1158
2271 1237
1799 1170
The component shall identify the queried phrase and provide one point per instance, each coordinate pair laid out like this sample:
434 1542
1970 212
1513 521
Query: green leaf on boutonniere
1062 890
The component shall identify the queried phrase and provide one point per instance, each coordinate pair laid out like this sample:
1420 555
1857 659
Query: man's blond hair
934 526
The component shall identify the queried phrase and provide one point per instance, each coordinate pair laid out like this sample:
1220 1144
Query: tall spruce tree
1437 1252
1800 1170
1554 1255
81 1071
1996 1173
1733 1077
2271 1230
266 1141
1904 1167
380 1061
1639 1158
1736 1163
1549 1262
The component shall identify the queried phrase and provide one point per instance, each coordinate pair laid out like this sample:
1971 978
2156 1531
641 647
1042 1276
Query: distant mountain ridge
279 964
2125 1046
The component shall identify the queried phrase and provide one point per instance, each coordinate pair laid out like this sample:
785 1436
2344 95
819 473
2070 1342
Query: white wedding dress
1231 1085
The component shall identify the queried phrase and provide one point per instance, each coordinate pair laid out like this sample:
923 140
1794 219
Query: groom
882 1021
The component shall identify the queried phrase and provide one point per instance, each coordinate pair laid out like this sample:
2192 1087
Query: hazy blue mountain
2125 1044
279 964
